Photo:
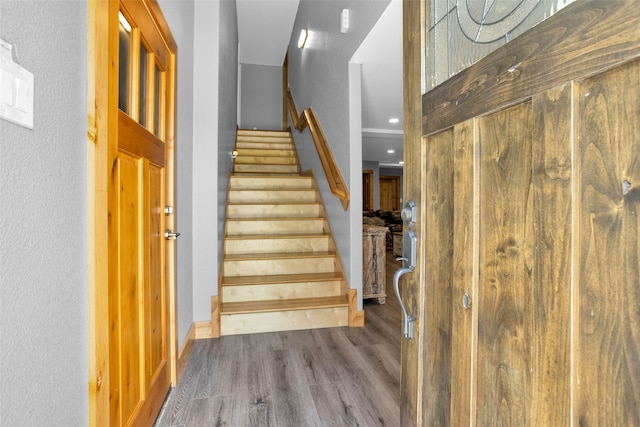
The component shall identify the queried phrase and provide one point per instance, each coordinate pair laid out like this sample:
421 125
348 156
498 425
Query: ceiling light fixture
394 120
391 151
303 38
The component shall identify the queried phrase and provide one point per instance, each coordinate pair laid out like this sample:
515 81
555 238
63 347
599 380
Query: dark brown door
530 237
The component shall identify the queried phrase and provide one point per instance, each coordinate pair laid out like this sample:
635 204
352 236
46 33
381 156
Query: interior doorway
390 193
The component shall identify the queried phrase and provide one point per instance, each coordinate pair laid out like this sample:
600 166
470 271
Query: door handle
170 235
409 260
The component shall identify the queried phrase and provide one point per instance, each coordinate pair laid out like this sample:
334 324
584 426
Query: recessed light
401 162
391 151
394 120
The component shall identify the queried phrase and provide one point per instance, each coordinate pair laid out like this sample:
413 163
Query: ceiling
380 55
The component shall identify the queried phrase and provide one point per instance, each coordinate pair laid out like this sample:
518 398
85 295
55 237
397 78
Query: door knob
170 235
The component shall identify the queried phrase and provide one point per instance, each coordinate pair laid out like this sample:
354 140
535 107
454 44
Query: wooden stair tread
313 218
279 255
281 278
276 236
282 305
273 203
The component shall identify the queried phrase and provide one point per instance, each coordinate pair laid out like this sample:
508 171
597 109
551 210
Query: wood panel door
367 190
139 295
530 237
389 193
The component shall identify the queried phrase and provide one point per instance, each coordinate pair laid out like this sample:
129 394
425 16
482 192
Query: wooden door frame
369 173
413 292
102 146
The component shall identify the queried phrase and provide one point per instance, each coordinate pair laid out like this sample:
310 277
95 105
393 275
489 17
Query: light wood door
531 264
139 296
389 193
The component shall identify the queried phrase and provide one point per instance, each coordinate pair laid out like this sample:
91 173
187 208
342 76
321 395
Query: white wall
319 77
261 96
43 221
180 17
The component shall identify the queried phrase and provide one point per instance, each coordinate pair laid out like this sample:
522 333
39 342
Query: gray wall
43 218
180 17
227 109
319 77
214 123
261 97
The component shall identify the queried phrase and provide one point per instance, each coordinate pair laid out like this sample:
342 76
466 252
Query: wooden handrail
309 119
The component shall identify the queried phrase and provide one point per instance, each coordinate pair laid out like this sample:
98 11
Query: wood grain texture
552 270
413 18
608 258
102 110
504 302
438 277
554 53
374 247
464 277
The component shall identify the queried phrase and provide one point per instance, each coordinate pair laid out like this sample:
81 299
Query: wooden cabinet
374 262
532 210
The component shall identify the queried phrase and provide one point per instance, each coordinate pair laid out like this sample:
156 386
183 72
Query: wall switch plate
16 93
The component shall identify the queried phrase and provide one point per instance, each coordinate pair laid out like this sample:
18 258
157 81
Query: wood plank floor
320 377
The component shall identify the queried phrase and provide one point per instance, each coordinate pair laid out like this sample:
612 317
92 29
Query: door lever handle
408 319
170 235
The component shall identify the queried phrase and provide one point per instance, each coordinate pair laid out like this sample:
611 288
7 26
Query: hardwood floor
320 377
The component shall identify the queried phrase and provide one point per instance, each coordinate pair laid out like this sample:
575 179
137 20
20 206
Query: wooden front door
133 357
530 231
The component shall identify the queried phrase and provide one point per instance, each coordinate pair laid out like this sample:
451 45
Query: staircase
280 268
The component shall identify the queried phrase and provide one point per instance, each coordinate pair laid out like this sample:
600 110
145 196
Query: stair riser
256 169
264 160
289 183
271 196
280 291
273 211
256 152
243 228
283 321
284 145
262 246
234 268
263 136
